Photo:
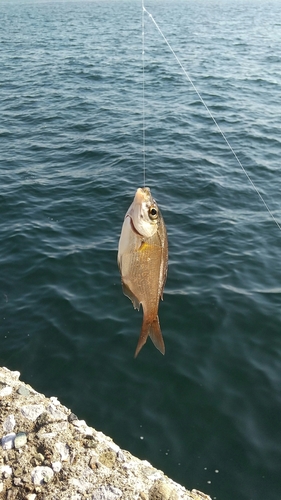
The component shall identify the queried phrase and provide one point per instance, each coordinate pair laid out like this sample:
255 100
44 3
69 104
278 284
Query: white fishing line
143 97
207 109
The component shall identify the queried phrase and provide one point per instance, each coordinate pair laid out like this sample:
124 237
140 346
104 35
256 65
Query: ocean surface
208 413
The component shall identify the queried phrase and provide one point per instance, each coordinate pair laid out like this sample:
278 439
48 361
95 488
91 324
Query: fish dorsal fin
132 297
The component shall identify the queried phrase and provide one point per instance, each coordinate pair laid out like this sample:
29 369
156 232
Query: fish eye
153 213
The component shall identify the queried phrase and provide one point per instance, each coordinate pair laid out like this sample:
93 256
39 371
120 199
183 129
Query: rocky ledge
47 453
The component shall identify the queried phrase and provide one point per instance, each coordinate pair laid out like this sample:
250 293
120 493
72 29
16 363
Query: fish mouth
142 195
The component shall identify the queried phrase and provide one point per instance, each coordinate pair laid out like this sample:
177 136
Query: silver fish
143 263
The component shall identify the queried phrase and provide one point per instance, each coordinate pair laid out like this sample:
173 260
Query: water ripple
71 159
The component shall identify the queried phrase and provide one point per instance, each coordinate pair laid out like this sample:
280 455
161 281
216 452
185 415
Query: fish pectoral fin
151 329
131 296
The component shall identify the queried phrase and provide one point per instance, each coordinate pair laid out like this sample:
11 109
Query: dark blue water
209 412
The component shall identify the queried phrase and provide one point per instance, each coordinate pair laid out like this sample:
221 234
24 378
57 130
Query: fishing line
207 109
143 97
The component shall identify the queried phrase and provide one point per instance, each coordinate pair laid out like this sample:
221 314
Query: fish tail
153 330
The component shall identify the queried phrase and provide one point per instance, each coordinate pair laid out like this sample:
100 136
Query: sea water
208 413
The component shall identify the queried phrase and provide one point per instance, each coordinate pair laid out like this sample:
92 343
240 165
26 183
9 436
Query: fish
143 263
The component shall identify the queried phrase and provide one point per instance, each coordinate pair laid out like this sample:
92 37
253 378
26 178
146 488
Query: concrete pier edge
48 453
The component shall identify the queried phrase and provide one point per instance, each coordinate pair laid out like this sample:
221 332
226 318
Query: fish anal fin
131 296
151 329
